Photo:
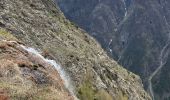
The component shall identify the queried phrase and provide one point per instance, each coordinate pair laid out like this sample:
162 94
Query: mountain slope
25 76
39 24
134 32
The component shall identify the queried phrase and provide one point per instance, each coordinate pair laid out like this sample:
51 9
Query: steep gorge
40 24
133 32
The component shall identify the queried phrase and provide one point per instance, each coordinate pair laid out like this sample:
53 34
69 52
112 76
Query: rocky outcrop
39 24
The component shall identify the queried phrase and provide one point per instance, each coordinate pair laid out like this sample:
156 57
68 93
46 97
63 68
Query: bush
88 92
103 95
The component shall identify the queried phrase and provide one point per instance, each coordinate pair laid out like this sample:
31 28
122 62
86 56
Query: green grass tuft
6 35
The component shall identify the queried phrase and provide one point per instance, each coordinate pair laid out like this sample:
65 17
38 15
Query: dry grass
23 91
18 72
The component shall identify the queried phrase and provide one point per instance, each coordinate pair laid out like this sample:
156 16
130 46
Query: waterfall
64 76
124 2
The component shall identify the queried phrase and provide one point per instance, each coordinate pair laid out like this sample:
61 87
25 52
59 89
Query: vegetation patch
6 35
88 92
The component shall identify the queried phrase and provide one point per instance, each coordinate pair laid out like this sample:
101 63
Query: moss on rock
5 35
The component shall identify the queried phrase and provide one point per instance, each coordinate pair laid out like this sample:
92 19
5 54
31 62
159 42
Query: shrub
103 95
88 92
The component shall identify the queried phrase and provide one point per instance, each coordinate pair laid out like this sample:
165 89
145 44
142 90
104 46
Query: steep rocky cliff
134 32
40 24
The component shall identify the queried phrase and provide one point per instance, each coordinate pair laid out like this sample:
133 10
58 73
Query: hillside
135 33
39 24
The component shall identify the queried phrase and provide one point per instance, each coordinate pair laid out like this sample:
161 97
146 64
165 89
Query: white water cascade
109 46
62 73
125 8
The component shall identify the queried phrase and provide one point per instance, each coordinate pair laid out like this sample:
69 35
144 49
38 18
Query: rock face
40 24
134 32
